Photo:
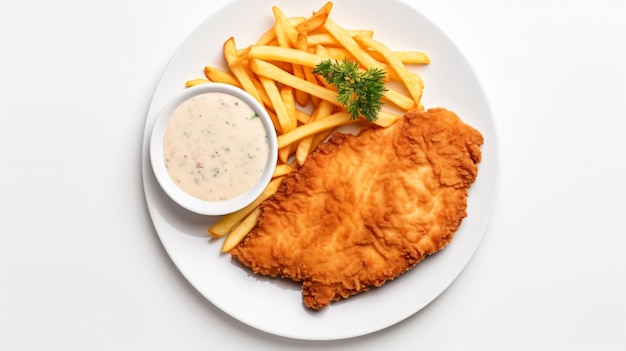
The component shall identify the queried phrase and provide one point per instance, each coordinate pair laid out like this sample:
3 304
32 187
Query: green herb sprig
358 90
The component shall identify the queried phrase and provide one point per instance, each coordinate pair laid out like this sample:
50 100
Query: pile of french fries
277 71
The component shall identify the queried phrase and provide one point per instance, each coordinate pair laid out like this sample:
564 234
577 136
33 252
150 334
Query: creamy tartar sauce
215 146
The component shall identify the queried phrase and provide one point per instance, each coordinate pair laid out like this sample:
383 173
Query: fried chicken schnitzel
363 209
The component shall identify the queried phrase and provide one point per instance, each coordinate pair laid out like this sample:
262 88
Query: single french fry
332 121
239 56
399 99
302 116
215 74
193 82
407 57
228 222
275 121
277 102
419 79
245 81
315 101
291 55
265 99
287 95
298 70
355 32
385 119
320 137
413 57
269 36
327 39
324 110
310 77
230 54
271 72
322 39
352 46
317 20
284 153
301 24
281 34
412 85
322 51
282 170
289 32
241 230
285 66
229 49
300 96
304 148
335 53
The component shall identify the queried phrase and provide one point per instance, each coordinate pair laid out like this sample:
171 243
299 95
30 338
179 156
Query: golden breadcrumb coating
366 208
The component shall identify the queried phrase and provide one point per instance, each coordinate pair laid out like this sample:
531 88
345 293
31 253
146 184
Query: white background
81 267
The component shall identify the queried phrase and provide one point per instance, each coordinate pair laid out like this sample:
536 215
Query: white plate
275 305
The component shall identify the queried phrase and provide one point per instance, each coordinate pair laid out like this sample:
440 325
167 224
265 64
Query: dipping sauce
215 146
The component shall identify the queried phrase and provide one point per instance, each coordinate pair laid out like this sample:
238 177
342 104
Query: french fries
277 71
215 74
413 85
241 230
305 146
270 71
228 222
332 121
348 42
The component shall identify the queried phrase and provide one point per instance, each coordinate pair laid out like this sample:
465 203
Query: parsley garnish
359 91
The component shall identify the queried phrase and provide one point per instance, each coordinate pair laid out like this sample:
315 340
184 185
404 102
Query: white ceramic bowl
181 197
